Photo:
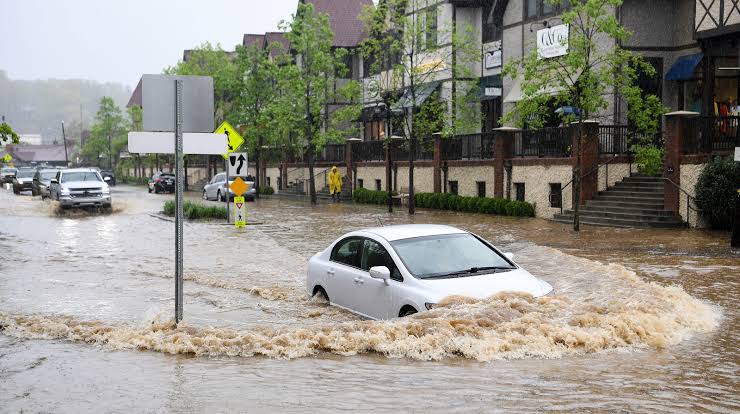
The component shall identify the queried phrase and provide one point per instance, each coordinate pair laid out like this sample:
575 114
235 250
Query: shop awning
491 87
515 94
423 92
684 67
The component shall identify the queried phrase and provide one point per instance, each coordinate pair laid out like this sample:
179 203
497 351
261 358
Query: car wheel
319 291
406 311
205 196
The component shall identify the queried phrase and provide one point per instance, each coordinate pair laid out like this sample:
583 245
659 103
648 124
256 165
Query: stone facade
468 177
536 180
612 173
689 177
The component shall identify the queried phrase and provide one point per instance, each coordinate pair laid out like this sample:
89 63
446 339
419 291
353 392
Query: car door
211 188
54 187
344 271
375 298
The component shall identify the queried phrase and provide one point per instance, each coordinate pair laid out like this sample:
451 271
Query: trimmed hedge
716 192
194 211
484 205
133 180
365 196
267 190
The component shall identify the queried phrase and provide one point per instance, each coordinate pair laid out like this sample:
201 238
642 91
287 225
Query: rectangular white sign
494 59
164 143
493 91
553 41
237 163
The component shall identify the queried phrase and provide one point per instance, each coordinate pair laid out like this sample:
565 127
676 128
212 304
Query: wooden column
437 165
502 151
589 159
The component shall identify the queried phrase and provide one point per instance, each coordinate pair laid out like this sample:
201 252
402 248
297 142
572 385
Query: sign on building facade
553 41
494 57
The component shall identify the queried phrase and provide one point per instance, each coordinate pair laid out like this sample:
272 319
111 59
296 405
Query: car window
348 251
80 176
374 254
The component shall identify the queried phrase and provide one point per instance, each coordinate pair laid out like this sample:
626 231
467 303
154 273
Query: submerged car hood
485 285
73 185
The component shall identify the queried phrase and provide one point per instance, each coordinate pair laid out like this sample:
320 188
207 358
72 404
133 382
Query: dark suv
162 183
108 177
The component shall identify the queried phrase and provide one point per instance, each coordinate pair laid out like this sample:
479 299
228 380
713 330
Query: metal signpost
178 115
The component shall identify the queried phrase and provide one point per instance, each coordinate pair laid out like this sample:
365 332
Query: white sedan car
392 271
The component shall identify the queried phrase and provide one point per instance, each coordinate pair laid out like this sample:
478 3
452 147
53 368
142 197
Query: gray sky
118 40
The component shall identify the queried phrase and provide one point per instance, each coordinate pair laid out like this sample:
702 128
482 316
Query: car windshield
80 176
441 255
48 175
25 173
8 170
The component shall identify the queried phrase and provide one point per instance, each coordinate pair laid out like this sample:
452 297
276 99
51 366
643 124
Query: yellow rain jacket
335 181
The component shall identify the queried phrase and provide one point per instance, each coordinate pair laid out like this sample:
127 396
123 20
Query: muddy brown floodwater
641 321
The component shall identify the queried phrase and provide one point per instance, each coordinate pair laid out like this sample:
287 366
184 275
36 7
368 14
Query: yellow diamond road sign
239 186
235 140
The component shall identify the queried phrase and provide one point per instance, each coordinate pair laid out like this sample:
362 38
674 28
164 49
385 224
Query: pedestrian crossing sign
240 212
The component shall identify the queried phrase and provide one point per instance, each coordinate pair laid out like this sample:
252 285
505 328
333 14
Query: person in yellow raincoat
335 183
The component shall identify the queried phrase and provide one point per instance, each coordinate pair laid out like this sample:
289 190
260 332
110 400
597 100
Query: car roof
71 170
408 231
45 170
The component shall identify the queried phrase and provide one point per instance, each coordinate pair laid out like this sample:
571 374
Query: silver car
80 187
42 181
216 189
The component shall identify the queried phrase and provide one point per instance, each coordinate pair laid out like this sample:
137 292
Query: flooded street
640 320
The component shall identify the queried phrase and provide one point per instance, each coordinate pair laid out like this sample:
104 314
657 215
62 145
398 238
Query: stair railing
582 176
307 183
689 199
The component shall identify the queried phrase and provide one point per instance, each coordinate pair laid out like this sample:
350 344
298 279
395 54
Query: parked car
7 174
42 181
23 180
393 271
162 183
108 177
80 187
216 189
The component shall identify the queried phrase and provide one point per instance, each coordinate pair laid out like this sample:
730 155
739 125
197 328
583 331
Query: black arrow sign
241 164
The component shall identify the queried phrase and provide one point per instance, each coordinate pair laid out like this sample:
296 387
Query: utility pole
64 139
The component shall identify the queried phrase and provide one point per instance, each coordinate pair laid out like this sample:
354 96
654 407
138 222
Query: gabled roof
135 96
277 37
254 39
344 16
37 153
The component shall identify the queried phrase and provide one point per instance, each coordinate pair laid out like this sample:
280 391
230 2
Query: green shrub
266 190
195 211
716 192
365 196
127 179
484 205
649 160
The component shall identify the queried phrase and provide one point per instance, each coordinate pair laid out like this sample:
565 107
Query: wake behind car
42 181
80 187
23 180
162 183
7 174
393 271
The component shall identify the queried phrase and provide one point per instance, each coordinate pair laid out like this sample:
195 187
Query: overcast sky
118 40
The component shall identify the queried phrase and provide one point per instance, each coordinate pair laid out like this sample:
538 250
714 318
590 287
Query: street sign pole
228 197
179 178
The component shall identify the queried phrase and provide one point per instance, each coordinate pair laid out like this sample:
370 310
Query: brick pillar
437 166
676 124
502 151
284 174
589 159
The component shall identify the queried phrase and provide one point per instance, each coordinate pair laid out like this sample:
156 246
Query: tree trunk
258 173
311 182
577 180
412 151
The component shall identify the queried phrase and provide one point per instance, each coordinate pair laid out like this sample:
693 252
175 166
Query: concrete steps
636 201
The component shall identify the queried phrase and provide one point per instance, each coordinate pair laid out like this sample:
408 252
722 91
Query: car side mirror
380 272
509 256
54 181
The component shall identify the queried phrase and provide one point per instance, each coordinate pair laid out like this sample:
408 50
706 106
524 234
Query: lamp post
64 140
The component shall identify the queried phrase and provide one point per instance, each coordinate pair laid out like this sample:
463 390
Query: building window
492 24
377 185
556 195
453 187
481 188
535 9
430 19
374 130
268 181
360 183
519 187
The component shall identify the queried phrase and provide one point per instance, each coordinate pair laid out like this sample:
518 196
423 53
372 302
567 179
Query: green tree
593 69
7 135
109 126
302 109
409 50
